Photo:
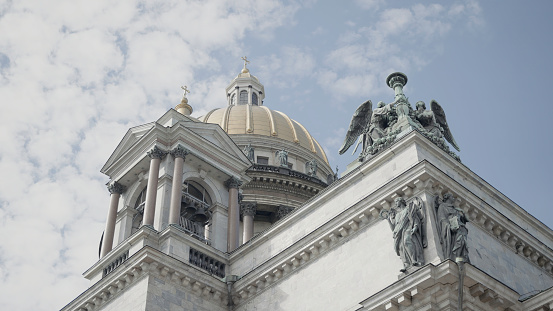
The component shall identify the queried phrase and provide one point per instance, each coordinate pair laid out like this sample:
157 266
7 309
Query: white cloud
399 40
369 4
288 67
75 75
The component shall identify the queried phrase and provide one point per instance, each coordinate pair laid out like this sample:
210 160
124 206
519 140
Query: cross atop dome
184 107
246 61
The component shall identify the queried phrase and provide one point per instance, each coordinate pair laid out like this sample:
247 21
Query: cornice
150 262
421 177
433 284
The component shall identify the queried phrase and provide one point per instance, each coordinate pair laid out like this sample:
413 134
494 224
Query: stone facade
335 252
193 224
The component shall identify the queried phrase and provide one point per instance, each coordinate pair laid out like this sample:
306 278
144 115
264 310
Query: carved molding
156 153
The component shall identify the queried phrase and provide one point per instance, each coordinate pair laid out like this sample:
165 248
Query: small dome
260 120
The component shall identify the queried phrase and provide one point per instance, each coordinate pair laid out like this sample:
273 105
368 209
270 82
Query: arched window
243 97
254 98
139 207
233 99
197 191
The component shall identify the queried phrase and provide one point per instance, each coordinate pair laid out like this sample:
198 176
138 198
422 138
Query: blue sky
75 75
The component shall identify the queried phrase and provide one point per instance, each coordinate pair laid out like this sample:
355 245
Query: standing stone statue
249 152
452 228
282 156
311 167
408 226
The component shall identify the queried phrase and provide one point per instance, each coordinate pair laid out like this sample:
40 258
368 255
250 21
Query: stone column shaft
156 155
233 220
176 191
248 213
233 237
248 228
107 243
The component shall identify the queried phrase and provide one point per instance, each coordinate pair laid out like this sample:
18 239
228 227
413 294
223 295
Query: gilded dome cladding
260 120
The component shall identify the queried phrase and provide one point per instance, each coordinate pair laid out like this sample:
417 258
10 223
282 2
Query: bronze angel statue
369 125
434 122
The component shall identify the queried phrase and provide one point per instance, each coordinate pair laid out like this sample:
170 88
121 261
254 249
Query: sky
75 75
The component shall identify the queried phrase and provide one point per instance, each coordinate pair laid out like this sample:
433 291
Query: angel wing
359 123
439 114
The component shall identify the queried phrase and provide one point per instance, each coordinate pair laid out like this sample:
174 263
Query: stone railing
115 263
195 229
206 263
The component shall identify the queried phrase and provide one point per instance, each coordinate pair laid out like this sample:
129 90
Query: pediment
206 141
132 136
215 135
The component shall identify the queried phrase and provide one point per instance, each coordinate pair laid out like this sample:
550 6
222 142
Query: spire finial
246 61
186 91
184 107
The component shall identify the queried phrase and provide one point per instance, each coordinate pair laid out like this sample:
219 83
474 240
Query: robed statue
409 231
249 152
282 156
452 228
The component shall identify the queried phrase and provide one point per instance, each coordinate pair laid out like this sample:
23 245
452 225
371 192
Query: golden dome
260 120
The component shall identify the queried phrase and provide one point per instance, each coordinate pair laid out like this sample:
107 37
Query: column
233 213
248 213
155 155
116 190
179 154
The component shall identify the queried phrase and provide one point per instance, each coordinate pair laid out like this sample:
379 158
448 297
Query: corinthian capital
180 152
233 182
116 187
156 153
248 209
